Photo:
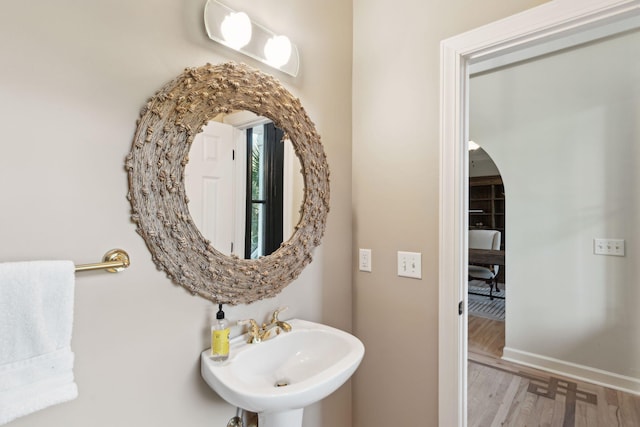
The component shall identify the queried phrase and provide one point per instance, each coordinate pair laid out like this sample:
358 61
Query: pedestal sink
278 377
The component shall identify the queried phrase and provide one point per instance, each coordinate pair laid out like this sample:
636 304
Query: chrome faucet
258 333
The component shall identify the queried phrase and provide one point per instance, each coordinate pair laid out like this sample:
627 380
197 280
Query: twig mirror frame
156 164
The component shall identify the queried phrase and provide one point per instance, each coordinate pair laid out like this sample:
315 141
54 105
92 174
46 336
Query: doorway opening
511 41
486 299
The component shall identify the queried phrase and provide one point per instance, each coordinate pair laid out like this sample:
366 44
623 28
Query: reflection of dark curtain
271 200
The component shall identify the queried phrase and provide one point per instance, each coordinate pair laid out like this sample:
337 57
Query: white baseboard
573 370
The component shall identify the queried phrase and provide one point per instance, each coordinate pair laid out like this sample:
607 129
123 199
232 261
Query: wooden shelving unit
486 207
486 204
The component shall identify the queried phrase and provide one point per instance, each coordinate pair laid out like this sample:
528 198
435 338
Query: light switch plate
410 264
608 247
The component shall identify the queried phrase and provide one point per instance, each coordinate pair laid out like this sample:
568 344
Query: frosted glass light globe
277 50
236 29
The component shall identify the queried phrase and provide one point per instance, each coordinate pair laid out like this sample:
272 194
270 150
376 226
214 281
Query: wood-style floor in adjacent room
505 394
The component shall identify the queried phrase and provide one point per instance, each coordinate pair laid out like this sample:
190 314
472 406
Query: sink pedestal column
292 418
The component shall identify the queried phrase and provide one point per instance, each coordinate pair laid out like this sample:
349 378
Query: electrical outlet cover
364 260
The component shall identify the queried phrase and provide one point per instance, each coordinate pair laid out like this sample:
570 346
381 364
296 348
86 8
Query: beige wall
563 131
74 76
395 197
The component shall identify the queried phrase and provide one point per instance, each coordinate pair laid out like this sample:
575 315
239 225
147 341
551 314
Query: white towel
36 318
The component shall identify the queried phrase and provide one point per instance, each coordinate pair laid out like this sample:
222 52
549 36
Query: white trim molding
557 23
573 370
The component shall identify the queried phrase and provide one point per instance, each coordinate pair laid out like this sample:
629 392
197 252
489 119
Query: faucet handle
280 325
274 316
253 331
252 323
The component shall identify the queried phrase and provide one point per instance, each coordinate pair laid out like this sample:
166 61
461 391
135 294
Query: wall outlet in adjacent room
608 247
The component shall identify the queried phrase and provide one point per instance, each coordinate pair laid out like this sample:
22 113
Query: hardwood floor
486 336
505 394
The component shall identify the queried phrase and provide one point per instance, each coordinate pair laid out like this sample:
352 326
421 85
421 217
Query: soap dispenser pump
220 337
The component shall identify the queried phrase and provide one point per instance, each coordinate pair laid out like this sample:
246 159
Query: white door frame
551 26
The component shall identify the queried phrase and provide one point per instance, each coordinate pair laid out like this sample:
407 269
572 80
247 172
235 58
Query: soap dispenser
220 337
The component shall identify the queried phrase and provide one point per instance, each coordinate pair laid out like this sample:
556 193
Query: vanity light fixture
238 32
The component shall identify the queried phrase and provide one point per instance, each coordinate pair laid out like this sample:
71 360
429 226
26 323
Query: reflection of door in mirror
210 183
245 220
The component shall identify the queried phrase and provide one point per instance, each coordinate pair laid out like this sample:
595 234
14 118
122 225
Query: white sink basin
285 373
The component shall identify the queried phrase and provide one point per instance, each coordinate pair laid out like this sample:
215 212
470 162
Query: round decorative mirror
156 168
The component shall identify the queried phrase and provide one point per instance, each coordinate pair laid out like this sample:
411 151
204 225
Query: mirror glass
234 153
